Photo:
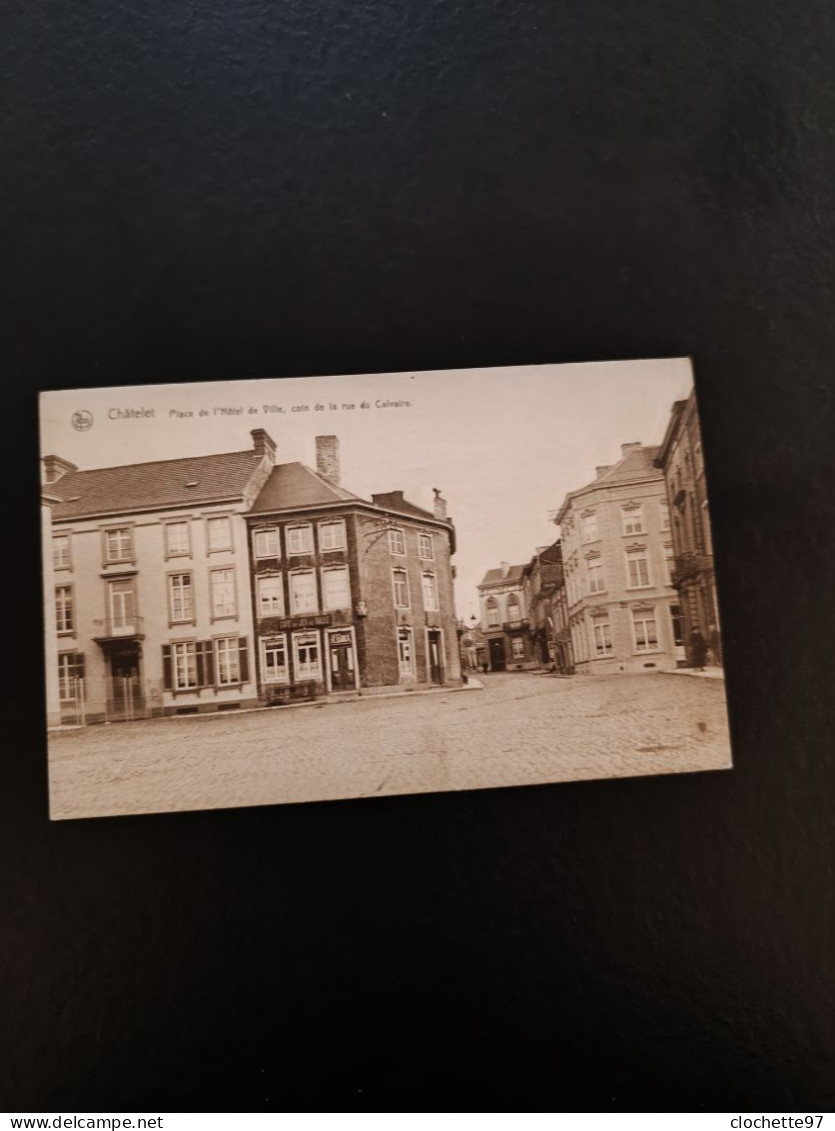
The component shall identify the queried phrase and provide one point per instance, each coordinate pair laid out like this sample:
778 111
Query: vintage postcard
269 591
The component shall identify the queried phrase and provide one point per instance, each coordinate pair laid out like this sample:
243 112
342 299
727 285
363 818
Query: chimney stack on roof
327 458
440 505
599 472
54 467
627 448
263 444
505 569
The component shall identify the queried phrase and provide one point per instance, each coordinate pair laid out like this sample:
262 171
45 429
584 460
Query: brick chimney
439 505
54 467
263 444
625 449
327 458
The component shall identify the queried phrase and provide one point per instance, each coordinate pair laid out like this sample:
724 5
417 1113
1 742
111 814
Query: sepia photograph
260 592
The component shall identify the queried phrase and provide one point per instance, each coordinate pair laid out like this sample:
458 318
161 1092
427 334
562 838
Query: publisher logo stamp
82 420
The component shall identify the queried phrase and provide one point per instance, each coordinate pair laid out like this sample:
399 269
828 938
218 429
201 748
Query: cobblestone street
521 729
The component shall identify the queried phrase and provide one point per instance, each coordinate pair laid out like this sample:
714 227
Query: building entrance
435 668
497 660
341 661
124 699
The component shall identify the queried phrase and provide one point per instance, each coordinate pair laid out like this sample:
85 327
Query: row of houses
228 581
629 586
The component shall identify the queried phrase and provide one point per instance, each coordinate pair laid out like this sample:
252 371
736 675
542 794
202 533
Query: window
633 520
397 540
180 597
517 648
71 676
121 602
665 516
219 533
274 660
588 527
184 658
602 639
401 588
332 535
706 536
227 668
300 539
668 564
425 547
595 576
61 552
493 619
265 542
118 545
336 588
405 653
63 609
270 596
638 569
176 539
643 624
430 592
223 593
306 655
303 597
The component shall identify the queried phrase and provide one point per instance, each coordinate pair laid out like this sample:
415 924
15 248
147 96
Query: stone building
545 595
680 459
226 581
504 619
618 556
349 593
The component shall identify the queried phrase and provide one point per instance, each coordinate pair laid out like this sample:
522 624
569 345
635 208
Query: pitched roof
494 576
637 464
293 485
161 483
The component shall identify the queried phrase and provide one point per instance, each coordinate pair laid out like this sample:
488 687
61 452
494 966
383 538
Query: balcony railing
511 625
118 628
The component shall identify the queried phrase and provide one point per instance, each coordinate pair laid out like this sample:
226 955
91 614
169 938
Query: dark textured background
254 188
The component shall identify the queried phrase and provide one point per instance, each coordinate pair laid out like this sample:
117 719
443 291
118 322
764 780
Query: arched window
492 612
514 611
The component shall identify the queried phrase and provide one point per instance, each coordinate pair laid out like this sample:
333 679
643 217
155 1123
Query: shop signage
290 623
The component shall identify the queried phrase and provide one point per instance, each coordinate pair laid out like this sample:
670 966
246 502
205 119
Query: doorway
125 699
433 642
497 660
341 661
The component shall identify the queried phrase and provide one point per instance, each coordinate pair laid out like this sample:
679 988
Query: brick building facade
349 594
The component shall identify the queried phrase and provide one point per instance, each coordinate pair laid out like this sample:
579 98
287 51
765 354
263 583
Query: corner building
618 558
349 595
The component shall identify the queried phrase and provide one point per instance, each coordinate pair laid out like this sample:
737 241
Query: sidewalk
709 673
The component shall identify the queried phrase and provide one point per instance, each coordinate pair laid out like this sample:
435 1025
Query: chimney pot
327 458
263 444
440 505
54 467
